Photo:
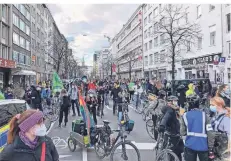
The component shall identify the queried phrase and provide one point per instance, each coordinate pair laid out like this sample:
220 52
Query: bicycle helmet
161 93
193 101
172 98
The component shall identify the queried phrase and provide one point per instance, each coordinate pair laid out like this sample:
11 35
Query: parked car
8 109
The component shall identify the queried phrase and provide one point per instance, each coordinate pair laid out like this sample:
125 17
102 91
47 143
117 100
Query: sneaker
59 126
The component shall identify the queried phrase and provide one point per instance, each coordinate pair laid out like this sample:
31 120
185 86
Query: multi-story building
129 47
198 60
6 62
104 63
21 34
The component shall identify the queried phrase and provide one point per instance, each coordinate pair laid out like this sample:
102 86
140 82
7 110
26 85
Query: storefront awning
25 72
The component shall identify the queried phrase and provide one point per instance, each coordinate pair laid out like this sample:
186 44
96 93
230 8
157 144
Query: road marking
64 156
109 108
59 143
52 124
84 154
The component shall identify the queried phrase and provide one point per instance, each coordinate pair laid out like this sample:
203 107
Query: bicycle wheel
150 128
99 145
125 148
167 155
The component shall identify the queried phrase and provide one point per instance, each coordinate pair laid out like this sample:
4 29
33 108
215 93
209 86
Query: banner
57 84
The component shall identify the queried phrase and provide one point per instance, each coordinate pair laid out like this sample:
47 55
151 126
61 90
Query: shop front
23 76
201 67
5 71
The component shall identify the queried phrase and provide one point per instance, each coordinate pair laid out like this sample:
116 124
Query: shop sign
4 63
211 59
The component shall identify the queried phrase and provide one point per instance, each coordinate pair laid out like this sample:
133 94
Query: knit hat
31 121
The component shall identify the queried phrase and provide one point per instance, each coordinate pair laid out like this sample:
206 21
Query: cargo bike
101 138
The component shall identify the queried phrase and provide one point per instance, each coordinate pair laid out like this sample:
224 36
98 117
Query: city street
138 136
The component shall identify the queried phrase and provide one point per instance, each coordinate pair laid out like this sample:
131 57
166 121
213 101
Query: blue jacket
8 95
43 93
195 122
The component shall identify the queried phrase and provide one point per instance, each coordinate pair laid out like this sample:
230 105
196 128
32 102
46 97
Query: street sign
4 63
222 59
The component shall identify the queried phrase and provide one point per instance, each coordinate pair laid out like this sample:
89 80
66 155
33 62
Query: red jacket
91 86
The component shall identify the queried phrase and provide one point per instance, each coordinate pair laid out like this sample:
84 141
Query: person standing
115 93
131 89
138 91
73 93
8 93
65 104
36 100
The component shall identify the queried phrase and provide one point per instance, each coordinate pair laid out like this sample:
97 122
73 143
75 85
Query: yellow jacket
190 90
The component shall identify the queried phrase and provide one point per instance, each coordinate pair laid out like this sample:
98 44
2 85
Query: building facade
129 47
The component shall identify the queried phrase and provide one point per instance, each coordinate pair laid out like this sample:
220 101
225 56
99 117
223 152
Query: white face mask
41 131
175 103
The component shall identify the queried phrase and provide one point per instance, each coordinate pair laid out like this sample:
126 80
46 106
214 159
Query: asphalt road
138 136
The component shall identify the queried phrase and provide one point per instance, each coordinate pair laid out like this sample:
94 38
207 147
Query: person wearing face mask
27 140
36 100
73 93
138 90
195 125
224 92
170 123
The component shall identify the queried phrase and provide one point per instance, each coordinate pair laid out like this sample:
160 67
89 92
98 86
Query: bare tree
175 32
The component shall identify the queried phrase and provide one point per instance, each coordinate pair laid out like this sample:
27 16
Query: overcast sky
94 20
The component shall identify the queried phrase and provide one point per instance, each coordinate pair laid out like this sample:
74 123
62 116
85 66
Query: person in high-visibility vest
195 125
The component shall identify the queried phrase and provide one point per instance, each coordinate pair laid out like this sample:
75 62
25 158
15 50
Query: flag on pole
57 84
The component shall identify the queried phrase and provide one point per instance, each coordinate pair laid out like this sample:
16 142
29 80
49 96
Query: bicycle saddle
106 122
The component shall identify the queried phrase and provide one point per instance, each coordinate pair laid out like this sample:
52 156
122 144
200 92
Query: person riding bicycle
92 105
195 125
170 124
100 97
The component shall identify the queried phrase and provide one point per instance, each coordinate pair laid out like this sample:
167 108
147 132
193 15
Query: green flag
57 84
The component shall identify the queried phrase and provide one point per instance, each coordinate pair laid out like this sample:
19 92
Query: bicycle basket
129 125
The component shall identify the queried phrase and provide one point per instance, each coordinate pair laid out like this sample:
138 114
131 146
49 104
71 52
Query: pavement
138 136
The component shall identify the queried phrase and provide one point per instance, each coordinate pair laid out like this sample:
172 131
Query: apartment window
199 43
145 8
38 32
156 57
22 9
162 39
15 38
145 46
155 12
17 6
162 21
28 15
145 34
15 20
33 28
150 44
37 18
22 42
150 17
228 22
186 17
188 46
155 27
27 45
155 41
22 26
27 30
211 7
4 11
21 58
199 11
15 56
145 21
151 59
160 8
33 43
212 38
228 47
4 31
4 52
146 60
162 56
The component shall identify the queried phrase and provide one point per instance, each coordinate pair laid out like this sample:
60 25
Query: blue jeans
106 99
120 114
137 100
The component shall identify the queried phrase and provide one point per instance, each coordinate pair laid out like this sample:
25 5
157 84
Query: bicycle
109 147
152 128
164 147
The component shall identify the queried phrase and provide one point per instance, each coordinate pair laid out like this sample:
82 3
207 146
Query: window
4 11
145 8
15 56
162 56
146 60
37 18
212 38
145 21
186 17
150 44
199 11
150 17
33 28
188 46
155 27
145 46
22 9
145 34
28 15
15 38
27 30
21 58
162 21
160 8
155 41
162 39
150 31
27 45
229 47
4 31
38 32
156 57
22 26
7 112
155 12
211 7
4 52
199 43
33 43
228 22
22 42
151 59
15 20
17 6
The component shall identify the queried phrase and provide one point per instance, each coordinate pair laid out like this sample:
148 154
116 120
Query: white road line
52 124
64 156
109 108
84 154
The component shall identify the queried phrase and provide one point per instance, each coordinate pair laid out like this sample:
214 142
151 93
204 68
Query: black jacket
35 97
115 94
18 151
152 89
170 121
66 103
